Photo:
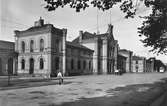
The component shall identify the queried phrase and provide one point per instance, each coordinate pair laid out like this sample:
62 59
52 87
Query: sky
21 14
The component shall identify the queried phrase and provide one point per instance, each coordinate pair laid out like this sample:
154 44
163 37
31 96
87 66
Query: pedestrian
116 71
60 77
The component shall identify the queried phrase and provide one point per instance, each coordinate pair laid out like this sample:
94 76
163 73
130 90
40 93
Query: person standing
60 77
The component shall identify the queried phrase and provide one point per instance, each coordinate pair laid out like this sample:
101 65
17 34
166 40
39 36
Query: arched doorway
10 66
31 68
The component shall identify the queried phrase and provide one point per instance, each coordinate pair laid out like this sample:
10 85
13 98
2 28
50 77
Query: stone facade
121 63
43 50
7 58
138 64
128 54
105 49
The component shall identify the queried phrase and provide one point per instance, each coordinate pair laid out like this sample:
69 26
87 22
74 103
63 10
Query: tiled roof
77 45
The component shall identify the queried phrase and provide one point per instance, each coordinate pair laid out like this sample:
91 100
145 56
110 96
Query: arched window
72 64
31 46
22 64
41 45
41 65
23 46
84 64
79 64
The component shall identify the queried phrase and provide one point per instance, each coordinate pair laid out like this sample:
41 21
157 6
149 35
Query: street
90 90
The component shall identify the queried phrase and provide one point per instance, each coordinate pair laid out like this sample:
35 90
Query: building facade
121 63
105 49
8 58
43 51
138 64
128 54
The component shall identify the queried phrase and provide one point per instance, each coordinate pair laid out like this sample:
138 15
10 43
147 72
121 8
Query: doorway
31 68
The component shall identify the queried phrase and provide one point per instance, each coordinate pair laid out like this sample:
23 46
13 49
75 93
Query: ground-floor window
57 63
89 64
22 64
72 64
79 64
84 64
0 64
41 63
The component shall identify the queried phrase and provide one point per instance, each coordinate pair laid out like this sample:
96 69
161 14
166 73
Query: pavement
90 90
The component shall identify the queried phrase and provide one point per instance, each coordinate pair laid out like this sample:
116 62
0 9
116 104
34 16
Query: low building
7 58
105 49
43 51
128 54
138 64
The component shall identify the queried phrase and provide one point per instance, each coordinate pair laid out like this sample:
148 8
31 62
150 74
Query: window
41 45
22 64
23 46
136 62
84 64
89 64
57 63
79 64
41 63
72 64
31 46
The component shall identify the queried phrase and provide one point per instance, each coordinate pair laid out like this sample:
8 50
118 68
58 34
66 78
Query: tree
127 6
154 28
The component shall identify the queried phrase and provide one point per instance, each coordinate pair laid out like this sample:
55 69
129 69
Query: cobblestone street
81 87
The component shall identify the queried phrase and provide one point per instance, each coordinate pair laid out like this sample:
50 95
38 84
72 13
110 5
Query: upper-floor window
136 62
41 65
23 46
41 45
22 64
31 46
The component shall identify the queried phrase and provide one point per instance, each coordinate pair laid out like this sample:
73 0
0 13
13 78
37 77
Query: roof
137 58
124 50
120 55
88 35
76 45
44 27
6 44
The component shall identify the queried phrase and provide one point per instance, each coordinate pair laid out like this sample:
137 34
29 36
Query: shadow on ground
27 83
130 95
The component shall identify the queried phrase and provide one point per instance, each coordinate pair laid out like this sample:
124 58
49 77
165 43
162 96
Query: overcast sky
21 14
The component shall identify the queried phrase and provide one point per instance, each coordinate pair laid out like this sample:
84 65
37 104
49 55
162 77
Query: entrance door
31 69
10 66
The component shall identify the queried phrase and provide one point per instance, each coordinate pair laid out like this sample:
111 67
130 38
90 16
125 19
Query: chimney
110 29
38 23
80 36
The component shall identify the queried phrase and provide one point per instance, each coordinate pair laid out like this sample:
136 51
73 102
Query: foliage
154 28
126 5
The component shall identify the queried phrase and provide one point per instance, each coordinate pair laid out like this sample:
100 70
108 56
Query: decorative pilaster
104 44
64 51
